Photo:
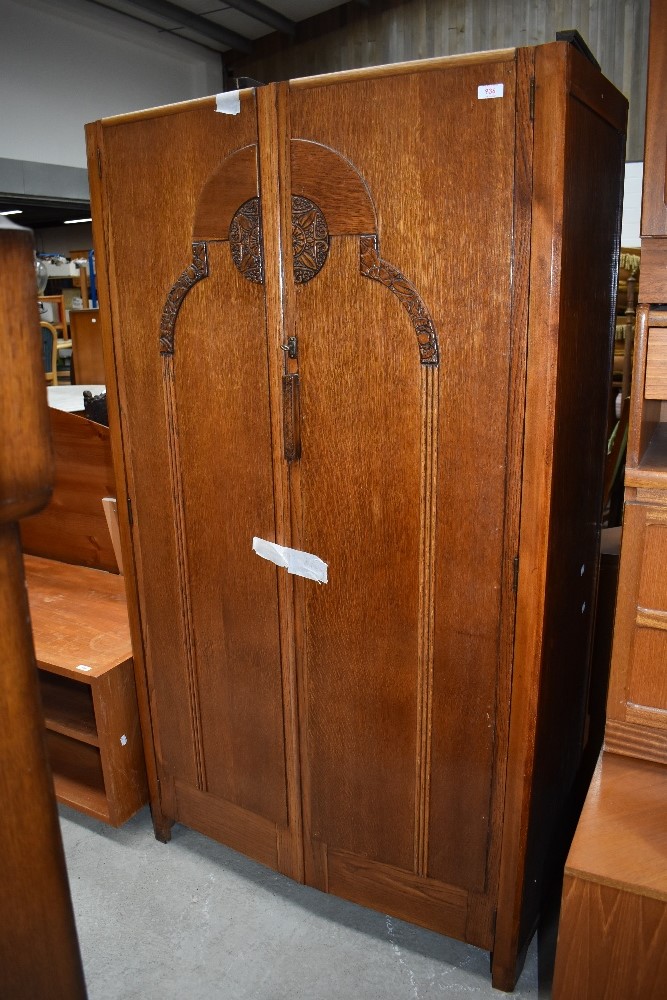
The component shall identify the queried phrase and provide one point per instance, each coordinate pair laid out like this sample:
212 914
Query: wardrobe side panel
592 191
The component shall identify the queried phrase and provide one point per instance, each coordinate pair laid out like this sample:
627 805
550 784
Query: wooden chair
50 351
63 341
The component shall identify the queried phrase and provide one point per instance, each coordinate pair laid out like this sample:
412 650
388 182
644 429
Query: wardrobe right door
404 363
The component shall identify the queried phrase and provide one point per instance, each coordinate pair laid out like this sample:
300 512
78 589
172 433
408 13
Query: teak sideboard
354 318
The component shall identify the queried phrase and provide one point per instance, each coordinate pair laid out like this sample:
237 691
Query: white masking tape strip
489 90
228 103
293 560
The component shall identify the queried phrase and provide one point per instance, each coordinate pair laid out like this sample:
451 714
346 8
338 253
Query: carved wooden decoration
193 273
245 241
372 266
310 239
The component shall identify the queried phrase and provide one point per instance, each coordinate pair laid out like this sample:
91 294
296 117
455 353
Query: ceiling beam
195 22
260 12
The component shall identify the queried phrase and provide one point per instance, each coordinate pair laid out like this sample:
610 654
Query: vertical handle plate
291 422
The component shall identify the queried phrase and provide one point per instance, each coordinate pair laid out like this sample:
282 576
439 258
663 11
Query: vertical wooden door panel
199 454
360 480
225 454
409 637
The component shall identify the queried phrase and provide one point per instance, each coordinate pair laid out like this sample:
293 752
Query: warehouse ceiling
229 26
36 213
222 26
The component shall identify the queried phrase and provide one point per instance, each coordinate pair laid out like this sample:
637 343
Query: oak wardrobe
368 316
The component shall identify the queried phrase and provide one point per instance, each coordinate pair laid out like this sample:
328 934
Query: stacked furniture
613 931
298 367
81 632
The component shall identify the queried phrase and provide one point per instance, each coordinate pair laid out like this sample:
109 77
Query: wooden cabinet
637 705
365 334
87 686
612 940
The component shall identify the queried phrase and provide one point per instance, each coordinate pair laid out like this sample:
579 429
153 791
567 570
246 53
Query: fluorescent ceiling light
13 211
70 222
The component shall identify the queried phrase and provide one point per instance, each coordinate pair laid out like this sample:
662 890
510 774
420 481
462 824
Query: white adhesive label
293 560
489 90
83 668
123 740
228 103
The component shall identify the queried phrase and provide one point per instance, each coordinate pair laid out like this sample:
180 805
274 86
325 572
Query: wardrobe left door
182 247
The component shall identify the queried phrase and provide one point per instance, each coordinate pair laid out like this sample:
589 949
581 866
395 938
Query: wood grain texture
122 470
632 739
567 476
612 941
408 483
273 118
392 890
654 192
229 186
356 35
332 182
638 683
91 626
39 953
87 351
644 416
72 527
652 280
655 386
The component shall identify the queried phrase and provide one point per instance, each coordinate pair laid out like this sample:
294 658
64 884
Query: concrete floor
193 919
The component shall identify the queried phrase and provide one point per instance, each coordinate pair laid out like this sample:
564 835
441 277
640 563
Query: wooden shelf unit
637 705
613 932
86 678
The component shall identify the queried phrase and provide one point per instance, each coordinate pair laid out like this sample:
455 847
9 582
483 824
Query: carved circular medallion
310 239
245 241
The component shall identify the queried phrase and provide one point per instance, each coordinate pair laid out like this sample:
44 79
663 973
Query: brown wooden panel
91 626
123 766
239 829
653 580
612 940
73 528
473 464
647 680
360 513
87 353
656 365
230 185
225 455
208 607
562 487
653 279
632 739
326 178
654 195
371 654
593 155
391 890
611 944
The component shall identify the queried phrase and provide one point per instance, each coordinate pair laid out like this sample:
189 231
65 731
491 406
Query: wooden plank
654 194
656 365
73 528
390 890
87 351
68 707
90 627
569 363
